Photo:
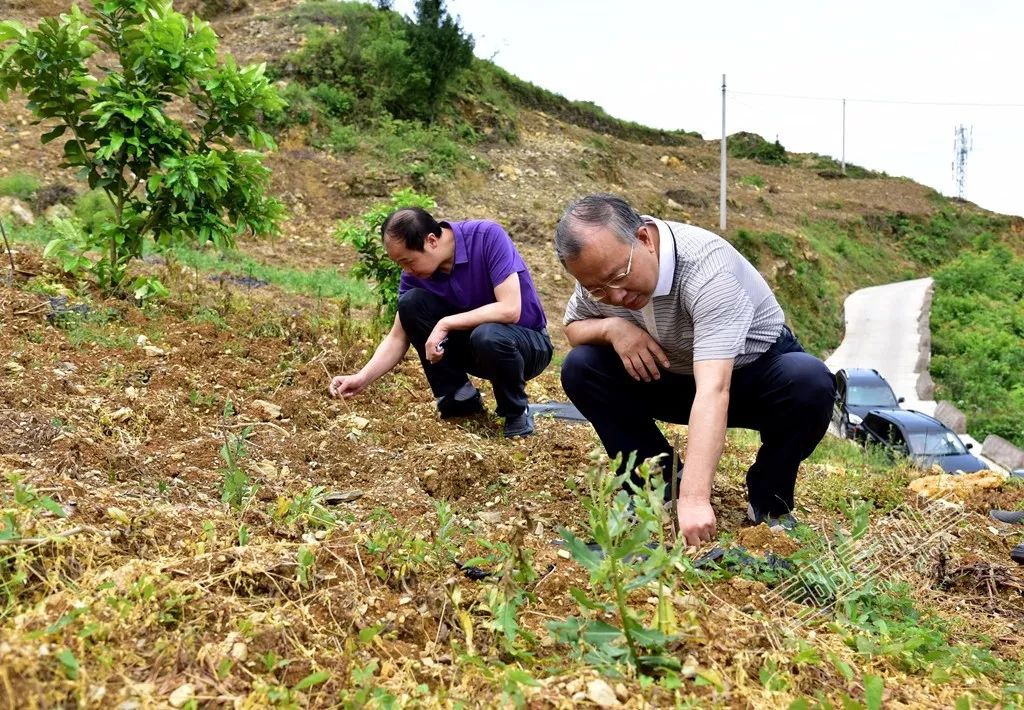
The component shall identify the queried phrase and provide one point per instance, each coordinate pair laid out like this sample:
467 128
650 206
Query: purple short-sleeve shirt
484 257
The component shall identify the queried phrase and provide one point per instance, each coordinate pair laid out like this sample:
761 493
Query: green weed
20 185
236 487
306 511
22 512
399 554
839 471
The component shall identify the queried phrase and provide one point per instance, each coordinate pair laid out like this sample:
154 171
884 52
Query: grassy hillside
187 519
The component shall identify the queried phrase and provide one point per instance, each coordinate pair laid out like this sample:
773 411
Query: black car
858 391
924 439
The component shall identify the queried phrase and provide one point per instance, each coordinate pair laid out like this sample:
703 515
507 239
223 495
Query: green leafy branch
165 180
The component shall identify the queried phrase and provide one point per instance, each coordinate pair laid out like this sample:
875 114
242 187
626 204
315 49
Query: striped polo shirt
710 303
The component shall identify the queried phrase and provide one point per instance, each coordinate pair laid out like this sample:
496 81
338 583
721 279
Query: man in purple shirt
468 305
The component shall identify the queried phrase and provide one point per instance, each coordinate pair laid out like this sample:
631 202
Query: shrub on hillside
336 102
943 235
301 109
381 61
977 324
753 147
832 166
582 113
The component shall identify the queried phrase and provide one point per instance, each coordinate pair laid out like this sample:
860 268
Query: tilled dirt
129 444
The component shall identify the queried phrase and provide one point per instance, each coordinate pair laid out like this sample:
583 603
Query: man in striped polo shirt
669 322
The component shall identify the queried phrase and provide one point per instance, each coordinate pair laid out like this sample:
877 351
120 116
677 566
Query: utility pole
722 186
843 163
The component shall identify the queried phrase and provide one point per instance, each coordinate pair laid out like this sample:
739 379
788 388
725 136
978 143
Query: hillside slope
815 238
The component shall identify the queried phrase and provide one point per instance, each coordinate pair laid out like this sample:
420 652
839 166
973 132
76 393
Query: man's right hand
697 522
641 355
347 385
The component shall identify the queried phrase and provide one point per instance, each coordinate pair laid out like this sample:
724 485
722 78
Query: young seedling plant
630 552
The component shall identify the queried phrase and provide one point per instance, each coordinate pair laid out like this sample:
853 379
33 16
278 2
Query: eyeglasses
600 293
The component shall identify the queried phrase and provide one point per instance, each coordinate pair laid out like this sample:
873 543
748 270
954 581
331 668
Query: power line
878 101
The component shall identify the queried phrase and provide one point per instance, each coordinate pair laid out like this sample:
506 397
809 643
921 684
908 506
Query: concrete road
887 329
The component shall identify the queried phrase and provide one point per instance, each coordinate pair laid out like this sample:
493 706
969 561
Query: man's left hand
697 521
434 347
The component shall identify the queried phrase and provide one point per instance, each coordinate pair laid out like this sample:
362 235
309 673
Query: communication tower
963 144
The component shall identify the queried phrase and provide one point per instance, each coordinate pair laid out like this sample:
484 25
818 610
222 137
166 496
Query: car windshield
870 396
936 443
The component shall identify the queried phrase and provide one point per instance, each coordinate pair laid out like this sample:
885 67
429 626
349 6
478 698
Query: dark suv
858 391
924 439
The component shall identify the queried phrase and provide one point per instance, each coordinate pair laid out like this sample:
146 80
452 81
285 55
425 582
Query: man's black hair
411 225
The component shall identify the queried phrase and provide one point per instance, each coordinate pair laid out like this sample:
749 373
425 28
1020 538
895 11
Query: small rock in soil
268 410
336 497
601 694
181 695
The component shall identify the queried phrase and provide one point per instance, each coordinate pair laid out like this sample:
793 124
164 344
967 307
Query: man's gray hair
599 210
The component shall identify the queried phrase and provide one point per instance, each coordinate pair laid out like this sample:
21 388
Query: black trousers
786 395
507 355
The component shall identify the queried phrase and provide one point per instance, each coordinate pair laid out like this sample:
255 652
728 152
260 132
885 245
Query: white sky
660 63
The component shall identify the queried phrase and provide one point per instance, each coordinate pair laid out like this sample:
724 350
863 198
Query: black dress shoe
1013 517
1017 554
520 425
449 407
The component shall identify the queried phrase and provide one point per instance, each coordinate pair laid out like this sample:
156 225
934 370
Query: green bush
754 147
336 102
175 181
318 13
363 233
341 139
375 61
368 57
416 150
834 167
943 235
301 110
20 185
752 180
